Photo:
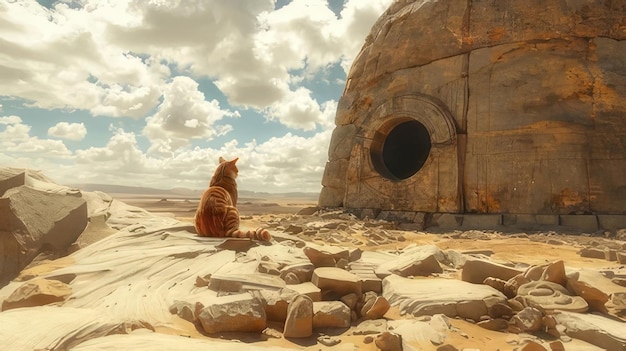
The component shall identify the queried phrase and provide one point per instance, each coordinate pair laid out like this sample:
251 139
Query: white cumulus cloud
15 140
183 115
69 131
142 60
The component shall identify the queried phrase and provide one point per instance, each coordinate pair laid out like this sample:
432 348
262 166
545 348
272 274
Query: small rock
416 261
308 211
350 300
294 229
472 309
555 273
290 278
389 341
528 320
184 310
475 271
377 309
497 324
330 314
535 272
269 267
619 300
272 333
495 283
511 286
447 347
619 281
610 254
595 298
336 280
370 327
325 256
533 346
276 302
549 322
37 292
245 314
455 259
203 281
342 263
555 242
299 322
591 252
328 340
303 271
557 346
368 339
500 310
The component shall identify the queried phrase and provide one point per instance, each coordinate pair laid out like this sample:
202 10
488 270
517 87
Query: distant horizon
180 191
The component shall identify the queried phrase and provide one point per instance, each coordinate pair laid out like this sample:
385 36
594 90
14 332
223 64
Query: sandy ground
184 208
515 247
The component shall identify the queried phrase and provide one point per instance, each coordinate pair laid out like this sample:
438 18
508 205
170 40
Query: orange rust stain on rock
566 199
487 203
497 33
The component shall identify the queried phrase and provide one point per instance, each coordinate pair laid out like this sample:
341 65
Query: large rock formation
503 107
36 216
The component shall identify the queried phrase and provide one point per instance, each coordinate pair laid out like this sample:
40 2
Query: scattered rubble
399 294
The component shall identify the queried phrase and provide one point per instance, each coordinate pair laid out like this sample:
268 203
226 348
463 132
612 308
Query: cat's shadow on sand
241 244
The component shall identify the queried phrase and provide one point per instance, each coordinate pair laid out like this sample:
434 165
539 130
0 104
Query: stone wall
524 104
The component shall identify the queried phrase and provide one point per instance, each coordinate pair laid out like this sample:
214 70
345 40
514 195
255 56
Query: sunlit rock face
485 107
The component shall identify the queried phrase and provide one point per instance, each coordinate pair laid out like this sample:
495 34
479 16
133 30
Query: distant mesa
511 109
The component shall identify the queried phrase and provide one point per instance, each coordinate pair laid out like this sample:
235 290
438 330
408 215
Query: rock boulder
35 216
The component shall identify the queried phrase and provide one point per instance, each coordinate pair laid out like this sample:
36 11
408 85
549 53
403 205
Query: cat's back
216 196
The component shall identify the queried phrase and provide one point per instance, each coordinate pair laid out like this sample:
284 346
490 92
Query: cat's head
227 168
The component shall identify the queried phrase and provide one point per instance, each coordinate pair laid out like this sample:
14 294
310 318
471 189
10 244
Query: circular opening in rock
400 149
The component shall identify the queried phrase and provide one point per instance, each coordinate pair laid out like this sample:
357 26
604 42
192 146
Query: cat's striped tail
258 234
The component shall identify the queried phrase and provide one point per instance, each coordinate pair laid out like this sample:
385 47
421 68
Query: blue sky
152 93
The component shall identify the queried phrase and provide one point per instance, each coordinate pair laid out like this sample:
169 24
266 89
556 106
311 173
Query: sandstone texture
36 217
513 109
155 284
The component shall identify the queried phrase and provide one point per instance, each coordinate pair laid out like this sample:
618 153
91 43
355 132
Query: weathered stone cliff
501 107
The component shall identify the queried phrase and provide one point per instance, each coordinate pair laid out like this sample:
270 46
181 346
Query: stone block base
505 222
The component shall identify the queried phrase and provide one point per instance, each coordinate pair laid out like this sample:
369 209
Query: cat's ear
235 160
222 159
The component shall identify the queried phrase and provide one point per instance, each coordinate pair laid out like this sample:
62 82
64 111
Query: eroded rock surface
36 216
435 79
153 274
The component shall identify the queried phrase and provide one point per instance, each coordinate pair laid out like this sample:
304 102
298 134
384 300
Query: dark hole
405 150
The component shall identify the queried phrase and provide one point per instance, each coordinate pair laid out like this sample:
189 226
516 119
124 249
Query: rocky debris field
327 281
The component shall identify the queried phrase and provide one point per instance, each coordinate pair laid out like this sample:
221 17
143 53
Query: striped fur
217 214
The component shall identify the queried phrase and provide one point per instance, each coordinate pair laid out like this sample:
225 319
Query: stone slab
481 221
612 222
584 223
446 220
437 295
529 220
309 289
594 329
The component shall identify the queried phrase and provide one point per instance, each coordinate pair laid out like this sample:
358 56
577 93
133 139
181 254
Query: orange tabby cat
217 215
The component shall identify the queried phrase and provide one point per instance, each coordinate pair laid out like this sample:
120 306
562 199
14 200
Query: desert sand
117 287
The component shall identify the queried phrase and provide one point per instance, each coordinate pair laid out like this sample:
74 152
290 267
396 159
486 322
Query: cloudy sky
152 92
